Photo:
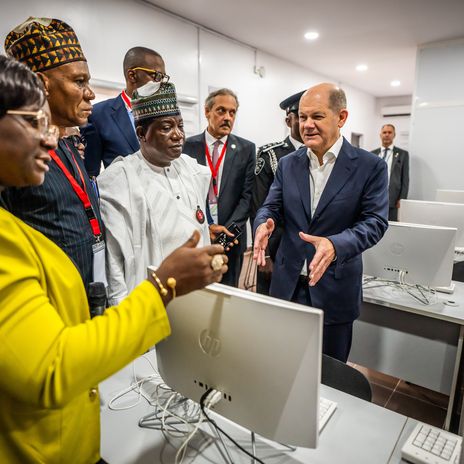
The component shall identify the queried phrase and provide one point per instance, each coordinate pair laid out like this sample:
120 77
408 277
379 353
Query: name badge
99 270
213 210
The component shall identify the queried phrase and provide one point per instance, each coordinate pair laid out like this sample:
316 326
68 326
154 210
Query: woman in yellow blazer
52 356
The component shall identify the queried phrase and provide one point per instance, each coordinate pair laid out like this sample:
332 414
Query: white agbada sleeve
120 218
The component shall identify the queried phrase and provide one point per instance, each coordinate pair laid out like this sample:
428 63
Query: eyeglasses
77 140
155 75
38 120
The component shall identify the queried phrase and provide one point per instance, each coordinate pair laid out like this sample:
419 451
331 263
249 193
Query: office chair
340 376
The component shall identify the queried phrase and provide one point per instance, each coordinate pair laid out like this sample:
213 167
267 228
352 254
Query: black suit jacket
237 179
109 134
399 176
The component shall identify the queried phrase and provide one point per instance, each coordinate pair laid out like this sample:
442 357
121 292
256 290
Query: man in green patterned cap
65 206
151 201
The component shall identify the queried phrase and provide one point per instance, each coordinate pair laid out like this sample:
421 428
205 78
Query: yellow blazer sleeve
45 359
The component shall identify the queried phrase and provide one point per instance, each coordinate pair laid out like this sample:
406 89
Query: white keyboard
326 409
431 445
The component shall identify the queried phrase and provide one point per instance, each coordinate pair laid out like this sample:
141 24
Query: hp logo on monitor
209 344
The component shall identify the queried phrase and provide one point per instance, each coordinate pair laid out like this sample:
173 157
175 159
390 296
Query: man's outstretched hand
263 232
325 254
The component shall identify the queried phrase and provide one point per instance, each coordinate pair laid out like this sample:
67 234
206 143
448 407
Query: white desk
358 433
396 455
399 336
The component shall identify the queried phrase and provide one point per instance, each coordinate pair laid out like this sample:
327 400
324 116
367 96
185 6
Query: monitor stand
265 448
449 289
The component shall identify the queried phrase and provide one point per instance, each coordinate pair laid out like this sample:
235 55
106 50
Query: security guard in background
266 166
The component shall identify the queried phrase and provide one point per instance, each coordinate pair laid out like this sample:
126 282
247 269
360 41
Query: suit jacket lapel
122 120
229 160
301 175
67 154
201 144
341 172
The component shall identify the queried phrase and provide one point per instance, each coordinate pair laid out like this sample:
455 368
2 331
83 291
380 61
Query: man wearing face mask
65 207
266 167
111 132
152 201
231 160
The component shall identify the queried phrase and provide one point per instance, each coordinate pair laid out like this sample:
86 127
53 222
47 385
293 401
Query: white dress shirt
210 141
296 143
388 159
319 175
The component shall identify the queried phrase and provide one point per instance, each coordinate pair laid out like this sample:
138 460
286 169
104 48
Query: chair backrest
345 378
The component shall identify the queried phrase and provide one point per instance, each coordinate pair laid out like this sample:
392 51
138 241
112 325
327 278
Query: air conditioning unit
400 110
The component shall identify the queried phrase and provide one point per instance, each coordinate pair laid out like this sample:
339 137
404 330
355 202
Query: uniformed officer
266 166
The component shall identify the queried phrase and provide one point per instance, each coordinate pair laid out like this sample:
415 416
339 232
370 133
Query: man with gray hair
332 199
231 160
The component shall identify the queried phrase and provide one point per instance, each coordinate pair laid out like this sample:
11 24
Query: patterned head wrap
43 43
154 100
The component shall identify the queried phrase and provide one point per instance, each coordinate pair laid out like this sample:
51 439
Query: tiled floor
392 393
405 398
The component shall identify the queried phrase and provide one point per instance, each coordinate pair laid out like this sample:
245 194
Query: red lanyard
215 169
126 99
80 192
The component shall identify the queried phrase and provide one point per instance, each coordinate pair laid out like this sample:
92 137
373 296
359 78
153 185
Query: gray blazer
399 176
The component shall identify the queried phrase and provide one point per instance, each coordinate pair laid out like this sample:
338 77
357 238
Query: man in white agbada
151 201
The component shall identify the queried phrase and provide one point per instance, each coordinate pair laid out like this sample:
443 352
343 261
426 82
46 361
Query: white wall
437 156
107 28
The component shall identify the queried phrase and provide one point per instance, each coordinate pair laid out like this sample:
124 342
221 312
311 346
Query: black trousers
263 282
232 276
393 214
337 338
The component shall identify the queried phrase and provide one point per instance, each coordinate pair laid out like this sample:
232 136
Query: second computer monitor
424 255
261 353
436 214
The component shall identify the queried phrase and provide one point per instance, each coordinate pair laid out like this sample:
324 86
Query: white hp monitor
424 253
262 353
435 213
450 196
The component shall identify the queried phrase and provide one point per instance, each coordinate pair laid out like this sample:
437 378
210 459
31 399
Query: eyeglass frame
46 130
164 77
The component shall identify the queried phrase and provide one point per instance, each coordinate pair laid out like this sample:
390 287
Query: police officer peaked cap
291 103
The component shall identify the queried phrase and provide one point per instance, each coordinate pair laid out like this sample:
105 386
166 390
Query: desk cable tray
425 295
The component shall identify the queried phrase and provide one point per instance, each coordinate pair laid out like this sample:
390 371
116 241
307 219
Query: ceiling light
361 67
313 35
395 83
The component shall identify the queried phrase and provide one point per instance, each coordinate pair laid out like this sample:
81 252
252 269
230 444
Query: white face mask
148 89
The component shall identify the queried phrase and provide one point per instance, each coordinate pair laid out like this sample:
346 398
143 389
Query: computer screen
436 214
424 253
450 196
263 354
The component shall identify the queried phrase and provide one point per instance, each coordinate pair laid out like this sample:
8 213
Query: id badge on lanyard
213 202
99 262
213 210
98 248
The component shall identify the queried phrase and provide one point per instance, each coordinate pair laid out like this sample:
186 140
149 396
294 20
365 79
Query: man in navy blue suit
110 132
333 201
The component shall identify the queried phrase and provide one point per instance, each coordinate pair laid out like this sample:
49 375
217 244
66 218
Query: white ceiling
383 34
